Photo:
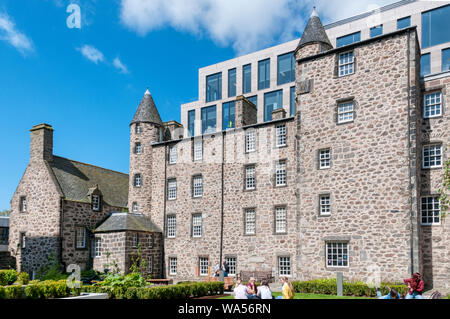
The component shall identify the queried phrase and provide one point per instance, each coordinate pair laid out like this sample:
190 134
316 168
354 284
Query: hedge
39 290
179 291
358 289
7 277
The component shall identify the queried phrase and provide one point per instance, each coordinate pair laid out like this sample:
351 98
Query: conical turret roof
147 111
314 32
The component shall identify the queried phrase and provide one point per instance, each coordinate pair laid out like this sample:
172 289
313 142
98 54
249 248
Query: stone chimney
246 113
174 130
278 114
41 146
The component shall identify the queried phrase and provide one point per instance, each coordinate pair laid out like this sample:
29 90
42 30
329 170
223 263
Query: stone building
344 177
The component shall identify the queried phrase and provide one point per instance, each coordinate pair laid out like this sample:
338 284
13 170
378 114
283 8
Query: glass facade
231 82
214 87
436 26
403 23
228 115
425 64
292 106
348 39
446 60
376 31
286 68
264 74
246 78
272 101
209 119
191 122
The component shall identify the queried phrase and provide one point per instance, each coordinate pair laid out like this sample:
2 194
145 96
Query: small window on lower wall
80 237
325 205
98 247
203 266
150 265
430 210
173 266
345 112
280 220
337 254
231 261
135 240
432 156
284 266
22 242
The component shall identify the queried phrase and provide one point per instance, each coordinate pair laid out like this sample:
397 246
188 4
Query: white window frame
171 226
135 207
137 180
97 247
280 135
431 213
433 102
203 266
135 240
250 141
345 113
432 157
172 189
23 204
325 158
80 237
280 174
346 66
325 204
197 186
284 266
250 177
96 202
138 148
151 241
173 263
197 225
198 150
280 220
23 239
231 261
173 154
138 128
250 221
333 254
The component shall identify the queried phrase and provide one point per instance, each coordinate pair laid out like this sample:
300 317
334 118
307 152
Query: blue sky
88 82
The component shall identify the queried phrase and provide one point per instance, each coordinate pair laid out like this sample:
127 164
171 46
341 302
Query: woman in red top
415 285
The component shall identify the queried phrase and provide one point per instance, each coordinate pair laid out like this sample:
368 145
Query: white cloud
120 66
10 34
246 25
91 53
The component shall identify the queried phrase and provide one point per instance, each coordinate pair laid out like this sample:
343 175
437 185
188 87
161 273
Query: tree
5 212
444 192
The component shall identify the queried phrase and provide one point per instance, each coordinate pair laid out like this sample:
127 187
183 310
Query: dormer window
23 204
96 202
138 128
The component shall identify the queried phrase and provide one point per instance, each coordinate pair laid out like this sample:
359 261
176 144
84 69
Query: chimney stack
41 146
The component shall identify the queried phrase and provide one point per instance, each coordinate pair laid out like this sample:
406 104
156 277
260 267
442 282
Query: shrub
329 287
51 270
13 292
23 278
7 277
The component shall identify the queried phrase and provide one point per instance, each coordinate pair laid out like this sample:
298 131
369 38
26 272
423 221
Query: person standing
225 268
415 286
240 291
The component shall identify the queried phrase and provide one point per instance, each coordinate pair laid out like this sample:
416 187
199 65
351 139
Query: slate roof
147 111
75 180
126 221
314 32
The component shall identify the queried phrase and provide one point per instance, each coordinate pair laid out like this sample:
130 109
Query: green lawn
311 296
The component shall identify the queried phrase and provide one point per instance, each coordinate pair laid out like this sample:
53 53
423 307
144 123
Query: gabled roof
126 221
76 179
314 32
147 111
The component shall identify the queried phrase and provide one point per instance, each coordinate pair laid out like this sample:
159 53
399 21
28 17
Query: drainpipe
61 221
164 214
222 199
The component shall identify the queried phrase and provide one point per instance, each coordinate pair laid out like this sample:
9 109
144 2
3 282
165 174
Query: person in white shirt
240 291
264 291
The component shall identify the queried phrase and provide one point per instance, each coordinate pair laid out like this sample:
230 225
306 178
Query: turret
145 130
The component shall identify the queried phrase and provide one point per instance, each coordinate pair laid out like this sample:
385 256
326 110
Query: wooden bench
228 282
259 275
164 282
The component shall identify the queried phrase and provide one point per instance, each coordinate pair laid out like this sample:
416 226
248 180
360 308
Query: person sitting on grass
287 290
393 294
415 286
252 289
264 291
240 291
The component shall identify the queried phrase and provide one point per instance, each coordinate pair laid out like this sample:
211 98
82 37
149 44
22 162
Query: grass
310 296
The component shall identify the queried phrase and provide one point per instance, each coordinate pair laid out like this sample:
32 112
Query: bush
51 270
23 278
40 290
329 287
7 277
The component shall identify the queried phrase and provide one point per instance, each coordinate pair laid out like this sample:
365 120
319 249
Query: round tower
145 129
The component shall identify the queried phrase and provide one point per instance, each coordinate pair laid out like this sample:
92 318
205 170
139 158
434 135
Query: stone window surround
245 177
244 221
194 141
134 207
138 129
85 238
342 101
275 172
135 240
438 88
284 255
336 63
344 240
200 257
443 158
169 179
22 240
201 225
141 180
235 265
192 186
23 199
173 154
255 132
330 159
151 241
420 211
276 135
275 220
97 247
169 259
141 148
99 203
167 226
331 204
